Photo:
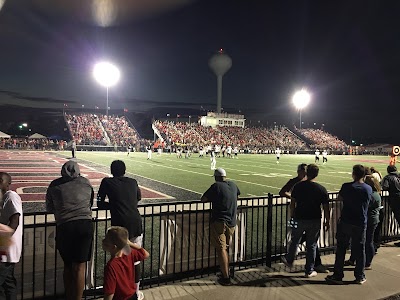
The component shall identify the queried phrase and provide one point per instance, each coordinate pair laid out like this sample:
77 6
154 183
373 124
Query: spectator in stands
223 195
356 197
123 196
286 191
391 183
305 208
70 198
120 272
11 215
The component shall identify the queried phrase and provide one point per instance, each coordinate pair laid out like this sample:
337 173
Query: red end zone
32 173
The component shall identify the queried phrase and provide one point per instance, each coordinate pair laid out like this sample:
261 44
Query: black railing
177 237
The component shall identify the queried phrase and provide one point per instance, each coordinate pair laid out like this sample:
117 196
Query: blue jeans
311 229
369 245
8 283
344 233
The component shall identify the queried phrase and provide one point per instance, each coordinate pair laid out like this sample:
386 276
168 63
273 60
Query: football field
256 175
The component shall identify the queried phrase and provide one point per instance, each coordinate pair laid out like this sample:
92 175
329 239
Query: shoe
349 263
140 295
360 280
333 279
368 267
311 274
224 281
286 263
321 269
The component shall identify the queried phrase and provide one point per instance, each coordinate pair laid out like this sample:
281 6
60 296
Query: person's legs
369 244
395 207
138 240
312 235
220 240
297 233
67 277
343 241
8 281
358 246
378 231
77 280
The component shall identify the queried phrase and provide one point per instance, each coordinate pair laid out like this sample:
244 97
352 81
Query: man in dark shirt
123 196
307 197
352 225
223 195
286 191
391 183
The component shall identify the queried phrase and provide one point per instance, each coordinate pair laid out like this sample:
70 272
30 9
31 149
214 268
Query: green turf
256 175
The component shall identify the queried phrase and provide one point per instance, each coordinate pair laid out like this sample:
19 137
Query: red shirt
119 275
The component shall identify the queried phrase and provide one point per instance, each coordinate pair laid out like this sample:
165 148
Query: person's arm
14 221
292 207
285 190
146 254
108 297
49 201
207 195
101 196
139 193
327 216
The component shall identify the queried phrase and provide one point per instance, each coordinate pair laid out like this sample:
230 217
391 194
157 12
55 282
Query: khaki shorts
221 234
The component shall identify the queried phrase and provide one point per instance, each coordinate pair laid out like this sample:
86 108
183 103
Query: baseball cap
220 172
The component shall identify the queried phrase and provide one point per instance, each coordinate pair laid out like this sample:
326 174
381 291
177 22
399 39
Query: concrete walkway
278 283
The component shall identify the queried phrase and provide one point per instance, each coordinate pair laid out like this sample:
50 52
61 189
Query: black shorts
74 241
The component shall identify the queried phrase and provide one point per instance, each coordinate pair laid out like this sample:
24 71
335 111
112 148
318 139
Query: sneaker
311 274
286 263
368 267
224 281
360 280
321 269
140 295
333 279
349 263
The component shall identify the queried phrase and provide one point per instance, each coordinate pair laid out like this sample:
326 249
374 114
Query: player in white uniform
278 154
149 152
213 159
324 156
317 156
235 152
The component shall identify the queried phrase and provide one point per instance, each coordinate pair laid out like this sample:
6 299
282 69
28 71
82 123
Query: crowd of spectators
119 131
86 129
322 140
250 138
28 144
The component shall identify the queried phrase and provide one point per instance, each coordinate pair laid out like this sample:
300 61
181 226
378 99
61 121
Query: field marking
145 178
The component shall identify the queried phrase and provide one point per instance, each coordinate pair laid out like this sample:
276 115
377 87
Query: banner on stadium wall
185 242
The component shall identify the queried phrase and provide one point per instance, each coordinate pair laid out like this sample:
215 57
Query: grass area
256 175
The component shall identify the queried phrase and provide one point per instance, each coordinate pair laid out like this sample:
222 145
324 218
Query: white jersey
12 205
317 153
278 152
324 154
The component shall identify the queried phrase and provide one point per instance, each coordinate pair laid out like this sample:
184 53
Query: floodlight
300 100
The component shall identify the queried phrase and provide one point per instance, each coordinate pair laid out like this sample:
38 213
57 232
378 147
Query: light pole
107 75
300 100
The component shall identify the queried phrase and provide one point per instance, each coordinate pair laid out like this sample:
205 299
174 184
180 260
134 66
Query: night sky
346 53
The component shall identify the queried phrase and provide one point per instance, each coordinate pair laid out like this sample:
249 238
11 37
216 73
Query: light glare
301 99
106 74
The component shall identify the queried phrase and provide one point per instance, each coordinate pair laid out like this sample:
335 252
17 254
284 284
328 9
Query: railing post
269 230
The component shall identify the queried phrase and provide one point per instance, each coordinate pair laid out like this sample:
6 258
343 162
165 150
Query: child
119 273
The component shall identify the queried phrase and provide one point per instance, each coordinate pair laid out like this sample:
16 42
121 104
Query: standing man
213 159
305 208
73 148
278 154
11 215
317 156
149 150
286 191
70 198
123 196
223 195
352 225
324 156
391 183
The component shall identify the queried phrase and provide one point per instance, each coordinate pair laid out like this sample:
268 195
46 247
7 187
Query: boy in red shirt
119 273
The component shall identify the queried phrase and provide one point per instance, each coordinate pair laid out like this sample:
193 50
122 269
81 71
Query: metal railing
177 237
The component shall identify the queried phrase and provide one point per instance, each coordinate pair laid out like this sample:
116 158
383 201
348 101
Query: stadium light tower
107 75
300 100
220 63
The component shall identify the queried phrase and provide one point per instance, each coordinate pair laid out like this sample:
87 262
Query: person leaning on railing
70 198
223 194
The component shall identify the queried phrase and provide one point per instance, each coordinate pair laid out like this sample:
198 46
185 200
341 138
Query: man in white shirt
278 154
10 215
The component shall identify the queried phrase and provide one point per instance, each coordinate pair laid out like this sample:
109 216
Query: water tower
220 63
